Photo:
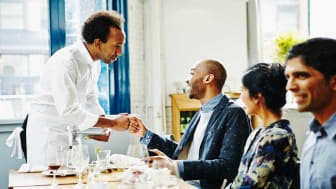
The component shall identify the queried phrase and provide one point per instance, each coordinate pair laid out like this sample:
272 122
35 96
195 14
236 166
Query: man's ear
208 78
332 82
97 43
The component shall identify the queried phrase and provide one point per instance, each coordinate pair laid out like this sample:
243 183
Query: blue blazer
221 147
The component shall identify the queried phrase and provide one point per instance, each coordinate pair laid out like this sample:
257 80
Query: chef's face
196 88
309 86
112 48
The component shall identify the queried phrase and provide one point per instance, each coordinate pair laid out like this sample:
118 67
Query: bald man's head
217 69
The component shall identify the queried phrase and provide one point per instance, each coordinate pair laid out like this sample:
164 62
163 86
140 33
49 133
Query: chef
68 94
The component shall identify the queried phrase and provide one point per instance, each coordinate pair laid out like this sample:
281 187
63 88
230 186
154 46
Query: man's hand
103 138
137 127
158 152
121 123
160 162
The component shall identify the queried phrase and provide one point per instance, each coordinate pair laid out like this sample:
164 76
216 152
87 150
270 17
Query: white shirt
68 87
68 98
193 153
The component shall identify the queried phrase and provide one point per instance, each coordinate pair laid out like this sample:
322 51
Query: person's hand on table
137 127
163 161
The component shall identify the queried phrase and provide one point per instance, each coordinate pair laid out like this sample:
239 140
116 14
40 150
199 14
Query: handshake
135 126
130 122
121 122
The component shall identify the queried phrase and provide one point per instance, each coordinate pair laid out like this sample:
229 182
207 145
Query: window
280 16
321 16
24 49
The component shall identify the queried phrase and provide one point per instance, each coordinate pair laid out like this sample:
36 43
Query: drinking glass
161 173
79 160
92 172
103 159
54 158
138 150
66 157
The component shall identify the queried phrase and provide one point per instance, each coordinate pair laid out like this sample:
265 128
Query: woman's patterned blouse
269 159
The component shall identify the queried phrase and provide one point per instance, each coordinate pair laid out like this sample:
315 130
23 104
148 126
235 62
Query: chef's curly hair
97 26
270 81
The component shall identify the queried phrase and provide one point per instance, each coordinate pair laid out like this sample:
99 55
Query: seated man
211 148
311 73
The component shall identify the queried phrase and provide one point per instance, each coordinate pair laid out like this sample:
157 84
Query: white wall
299 123
320 12
193 30
176 34
137 55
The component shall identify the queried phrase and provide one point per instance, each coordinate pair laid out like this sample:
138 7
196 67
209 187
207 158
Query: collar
283 124
211 104
328 129
85 53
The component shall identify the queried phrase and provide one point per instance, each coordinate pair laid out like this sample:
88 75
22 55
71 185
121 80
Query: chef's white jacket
68 97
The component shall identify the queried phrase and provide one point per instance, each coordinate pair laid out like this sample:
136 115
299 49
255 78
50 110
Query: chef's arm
120 123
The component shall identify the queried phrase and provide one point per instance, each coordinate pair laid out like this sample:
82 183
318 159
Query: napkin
14 142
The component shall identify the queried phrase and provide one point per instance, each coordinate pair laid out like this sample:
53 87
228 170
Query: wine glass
80 160
54 158
138 150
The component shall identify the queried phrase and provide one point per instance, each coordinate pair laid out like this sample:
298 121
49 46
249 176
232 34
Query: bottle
189 117
183 122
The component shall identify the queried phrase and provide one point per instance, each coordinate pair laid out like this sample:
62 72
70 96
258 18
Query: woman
270 154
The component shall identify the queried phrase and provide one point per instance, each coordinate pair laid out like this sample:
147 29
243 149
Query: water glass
138 150
103 159
79 160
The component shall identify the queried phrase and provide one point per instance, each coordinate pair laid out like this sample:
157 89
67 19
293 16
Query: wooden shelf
180 103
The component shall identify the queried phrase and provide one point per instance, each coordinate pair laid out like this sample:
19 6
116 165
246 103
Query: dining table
110 180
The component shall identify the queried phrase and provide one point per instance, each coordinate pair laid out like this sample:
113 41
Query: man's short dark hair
97 26
217 69
318 53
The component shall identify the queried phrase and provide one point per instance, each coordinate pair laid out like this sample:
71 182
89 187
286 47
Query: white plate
59 173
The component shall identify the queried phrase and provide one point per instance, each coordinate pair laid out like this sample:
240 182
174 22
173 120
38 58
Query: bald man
211 148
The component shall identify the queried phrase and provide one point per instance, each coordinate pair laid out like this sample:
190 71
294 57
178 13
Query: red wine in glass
54 166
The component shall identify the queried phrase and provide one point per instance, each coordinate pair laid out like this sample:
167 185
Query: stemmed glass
138 150
80 160
54 157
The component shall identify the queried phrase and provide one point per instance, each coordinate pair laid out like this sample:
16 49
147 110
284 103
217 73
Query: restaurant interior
164 40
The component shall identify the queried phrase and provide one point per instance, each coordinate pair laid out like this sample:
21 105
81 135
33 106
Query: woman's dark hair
270 81
97 26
